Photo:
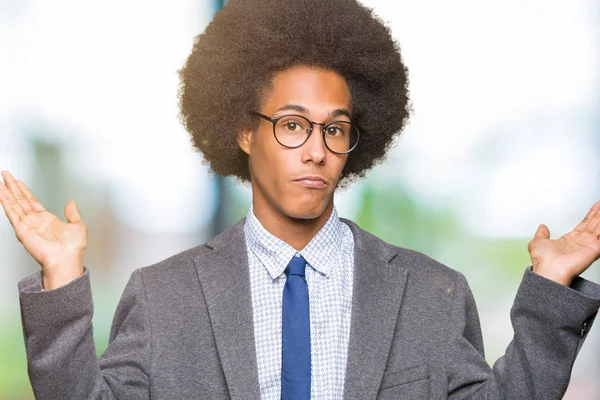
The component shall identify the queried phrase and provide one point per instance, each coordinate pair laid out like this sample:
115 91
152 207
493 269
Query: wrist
551 274
56 278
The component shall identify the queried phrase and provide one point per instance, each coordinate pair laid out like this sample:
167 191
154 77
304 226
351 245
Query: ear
244 139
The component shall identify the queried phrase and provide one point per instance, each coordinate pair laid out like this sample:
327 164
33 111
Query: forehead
313 88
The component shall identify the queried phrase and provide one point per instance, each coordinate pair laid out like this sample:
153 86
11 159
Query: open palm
567 257
58 246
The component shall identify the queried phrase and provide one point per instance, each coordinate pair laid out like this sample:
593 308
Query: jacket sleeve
550 323
62 363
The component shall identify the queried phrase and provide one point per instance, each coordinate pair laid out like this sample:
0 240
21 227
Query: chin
306 210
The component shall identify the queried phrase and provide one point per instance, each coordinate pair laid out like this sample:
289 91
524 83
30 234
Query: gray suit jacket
183 330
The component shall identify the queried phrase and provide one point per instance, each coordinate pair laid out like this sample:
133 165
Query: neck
296 232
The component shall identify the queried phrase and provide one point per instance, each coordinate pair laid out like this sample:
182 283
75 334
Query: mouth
312 181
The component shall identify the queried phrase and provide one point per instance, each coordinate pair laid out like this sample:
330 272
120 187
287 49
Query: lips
312 181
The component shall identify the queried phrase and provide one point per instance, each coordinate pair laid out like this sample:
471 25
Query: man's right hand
57 246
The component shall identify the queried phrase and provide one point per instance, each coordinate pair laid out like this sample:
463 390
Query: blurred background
505 135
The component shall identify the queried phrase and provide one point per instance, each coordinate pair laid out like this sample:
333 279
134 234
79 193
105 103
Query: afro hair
234 60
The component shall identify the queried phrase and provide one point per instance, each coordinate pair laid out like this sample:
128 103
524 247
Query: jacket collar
376 298
322 253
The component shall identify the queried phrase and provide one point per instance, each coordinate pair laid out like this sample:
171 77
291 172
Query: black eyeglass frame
274 121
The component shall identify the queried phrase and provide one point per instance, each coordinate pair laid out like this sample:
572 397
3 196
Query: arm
57 322
57 325
550 323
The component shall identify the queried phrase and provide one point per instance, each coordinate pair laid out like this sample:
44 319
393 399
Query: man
293 302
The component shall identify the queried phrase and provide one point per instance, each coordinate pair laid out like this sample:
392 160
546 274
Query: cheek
268 163
338 164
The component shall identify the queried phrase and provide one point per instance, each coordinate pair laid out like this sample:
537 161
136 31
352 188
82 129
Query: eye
335 130
292 126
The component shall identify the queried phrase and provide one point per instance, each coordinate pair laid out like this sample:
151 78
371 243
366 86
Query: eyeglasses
292 131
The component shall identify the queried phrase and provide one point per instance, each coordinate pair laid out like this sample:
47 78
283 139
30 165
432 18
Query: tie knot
296 266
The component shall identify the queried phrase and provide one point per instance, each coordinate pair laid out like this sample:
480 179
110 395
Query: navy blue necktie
295 343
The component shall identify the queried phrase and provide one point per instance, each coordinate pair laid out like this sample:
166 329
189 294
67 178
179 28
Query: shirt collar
322 253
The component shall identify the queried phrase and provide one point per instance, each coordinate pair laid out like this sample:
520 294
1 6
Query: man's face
298 182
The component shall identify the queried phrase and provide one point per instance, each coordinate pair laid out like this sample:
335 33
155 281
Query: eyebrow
298 108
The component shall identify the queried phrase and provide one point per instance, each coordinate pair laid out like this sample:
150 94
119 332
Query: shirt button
584 329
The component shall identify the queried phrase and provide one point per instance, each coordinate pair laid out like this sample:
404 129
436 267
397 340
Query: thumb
72 213
542 232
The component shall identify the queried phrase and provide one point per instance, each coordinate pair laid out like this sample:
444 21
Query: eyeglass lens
293 131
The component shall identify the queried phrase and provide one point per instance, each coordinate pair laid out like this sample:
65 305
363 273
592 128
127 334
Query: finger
72 213
22 203
596 228
9 182
591 213
35 204
542 232
8 206
594 222
587 223
15 206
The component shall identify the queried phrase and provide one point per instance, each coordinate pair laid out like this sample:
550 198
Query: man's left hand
562 260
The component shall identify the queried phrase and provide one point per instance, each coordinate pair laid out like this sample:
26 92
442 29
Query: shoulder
181 267
419 266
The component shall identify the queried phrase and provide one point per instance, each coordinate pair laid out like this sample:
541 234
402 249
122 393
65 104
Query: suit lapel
225 282
377 293
376 298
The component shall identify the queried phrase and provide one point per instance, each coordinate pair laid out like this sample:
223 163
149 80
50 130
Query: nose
314 149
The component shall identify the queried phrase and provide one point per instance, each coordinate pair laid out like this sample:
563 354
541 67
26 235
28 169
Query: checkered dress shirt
329 275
